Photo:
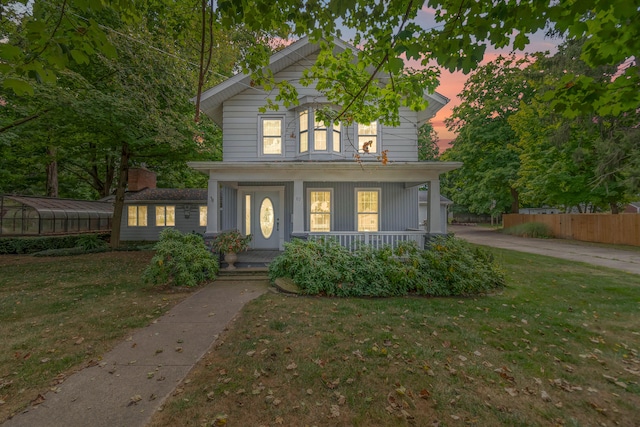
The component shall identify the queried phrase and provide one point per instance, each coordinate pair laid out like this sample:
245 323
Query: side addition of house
285 174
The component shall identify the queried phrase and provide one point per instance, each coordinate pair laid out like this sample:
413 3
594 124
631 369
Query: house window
368 137
336 138
322 139
203 216
320 211
247 214
304 131
368 206
319 136
165 216
271 135
137 216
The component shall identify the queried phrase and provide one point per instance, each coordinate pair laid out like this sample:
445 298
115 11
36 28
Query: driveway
570 250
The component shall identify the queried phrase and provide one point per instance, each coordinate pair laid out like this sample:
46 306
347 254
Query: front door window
266 218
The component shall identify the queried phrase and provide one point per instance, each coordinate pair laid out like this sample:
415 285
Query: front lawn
58 315
558 346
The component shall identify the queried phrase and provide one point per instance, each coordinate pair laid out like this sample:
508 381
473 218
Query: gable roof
212 100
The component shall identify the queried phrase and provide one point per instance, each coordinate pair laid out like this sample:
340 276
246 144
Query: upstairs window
137 216
165 216
271 135
316 136
368 137
304 131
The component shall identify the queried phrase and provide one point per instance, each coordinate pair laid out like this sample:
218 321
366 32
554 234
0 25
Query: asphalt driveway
571 250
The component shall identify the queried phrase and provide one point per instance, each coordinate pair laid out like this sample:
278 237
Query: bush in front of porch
180 260
449 267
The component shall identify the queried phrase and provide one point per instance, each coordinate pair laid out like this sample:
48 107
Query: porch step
252 274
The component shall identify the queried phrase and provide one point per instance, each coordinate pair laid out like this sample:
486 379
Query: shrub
30 245
180 260
450 267
90 241
454 267
530 229
70 251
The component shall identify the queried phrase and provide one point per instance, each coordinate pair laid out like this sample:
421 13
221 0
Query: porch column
298 208
435 220
213 207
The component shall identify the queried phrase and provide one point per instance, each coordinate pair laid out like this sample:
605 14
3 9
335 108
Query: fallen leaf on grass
335 411
291 366
545 396
220 420
512 391
38 400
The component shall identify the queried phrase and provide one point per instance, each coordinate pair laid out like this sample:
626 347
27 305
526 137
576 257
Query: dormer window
316 136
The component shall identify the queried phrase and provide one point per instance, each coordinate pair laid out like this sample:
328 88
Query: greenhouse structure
34 216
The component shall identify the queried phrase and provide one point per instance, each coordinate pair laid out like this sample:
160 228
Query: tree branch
385 59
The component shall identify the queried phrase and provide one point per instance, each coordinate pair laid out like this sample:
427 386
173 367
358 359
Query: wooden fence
621 229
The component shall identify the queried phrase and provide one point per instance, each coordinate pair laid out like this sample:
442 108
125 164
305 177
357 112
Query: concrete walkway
628 261
135 378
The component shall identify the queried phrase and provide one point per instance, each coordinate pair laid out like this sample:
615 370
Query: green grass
558 346
59 314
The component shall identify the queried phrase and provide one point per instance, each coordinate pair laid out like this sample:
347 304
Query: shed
36 215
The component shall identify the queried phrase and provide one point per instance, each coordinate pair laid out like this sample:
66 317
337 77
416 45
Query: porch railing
352 239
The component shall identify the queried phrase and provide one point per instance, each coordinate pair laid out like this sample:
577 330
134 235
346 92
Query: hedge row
450 266
30 245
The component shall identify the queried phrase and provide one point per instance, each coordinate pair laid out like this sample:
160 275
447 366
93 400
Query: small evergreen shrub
90 241
450 267
180 260
530 229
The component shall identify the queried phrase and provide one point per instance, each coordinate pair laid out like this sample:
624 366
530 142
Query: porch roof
411 173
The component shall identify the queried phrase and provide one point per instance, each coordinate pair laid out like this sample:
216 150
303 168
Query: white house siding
151 232
240 124
398 205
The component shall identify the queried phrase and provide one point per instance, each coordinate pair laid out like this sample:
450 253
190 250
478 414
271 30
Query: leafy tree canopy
388 33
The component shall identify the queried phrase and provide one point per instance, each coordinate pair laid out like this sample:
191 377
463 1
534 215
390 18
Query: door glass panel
266 217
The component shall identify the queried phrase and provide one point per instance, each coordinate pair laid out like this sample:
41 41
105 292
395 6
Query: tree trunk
515 201
614 208
118 206
52 173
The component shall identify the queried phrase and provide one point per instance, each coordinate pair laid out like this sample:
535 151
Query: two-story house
285 174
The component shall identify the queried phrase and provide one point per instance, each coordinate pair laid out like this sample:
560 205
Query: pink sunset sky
451 84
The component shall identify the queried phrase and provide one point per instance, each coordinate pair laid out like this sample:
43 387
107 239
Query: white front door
264 219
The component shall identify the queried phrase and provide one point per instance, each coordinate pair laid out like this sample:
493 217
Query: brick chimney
141 178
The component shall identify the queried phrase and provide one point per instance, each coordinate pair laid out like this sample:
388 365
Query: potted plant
230 243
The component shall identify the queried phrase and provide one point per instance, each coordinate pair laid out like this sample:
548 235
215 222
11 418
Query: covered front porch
273 201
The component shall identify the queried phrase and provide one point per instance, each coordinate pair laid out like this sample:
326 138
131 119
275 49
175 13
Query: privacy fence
621 229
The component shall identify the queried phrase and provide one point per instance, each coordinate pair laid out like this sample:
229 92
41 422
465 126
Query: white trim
414 173
379 190
331 207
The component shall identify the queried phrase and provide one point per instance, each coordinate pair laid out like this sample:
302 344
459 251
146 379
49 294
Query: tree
388 33
486 183
428 143
577 161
